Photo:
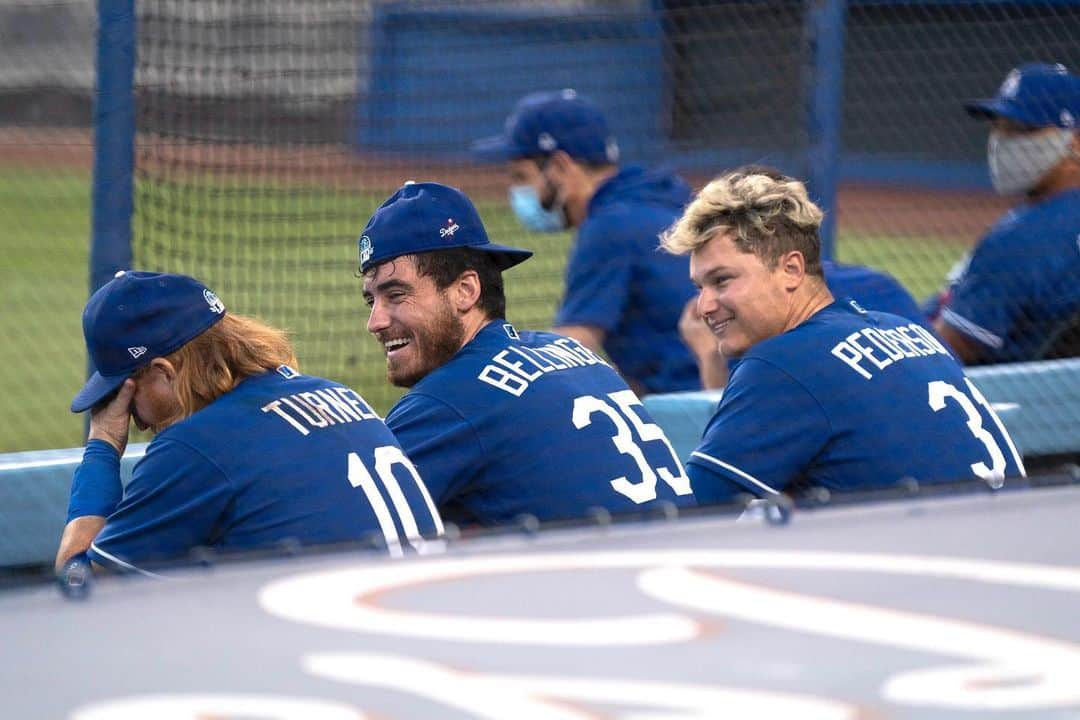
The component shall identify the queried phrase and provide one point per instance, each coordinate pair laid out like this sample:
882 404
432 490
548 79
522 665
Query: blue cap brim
506 257
494 149
96 389
992 108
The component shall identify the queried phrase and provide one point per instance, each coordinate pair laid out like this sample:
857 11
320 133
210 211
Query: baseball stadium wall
247 143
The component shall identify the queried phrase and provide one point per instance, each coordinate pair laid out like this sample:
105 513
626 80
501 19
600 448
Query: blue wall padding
443 78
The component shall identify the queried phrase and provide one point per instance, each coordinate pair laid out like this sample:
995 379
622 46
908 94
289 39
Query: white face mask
1019 162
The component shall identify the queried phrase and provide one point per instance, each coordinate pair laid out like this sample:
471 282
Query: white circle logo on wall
1005 669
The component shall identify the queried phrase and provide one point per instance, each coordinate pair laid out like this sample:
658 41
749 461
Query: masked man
1016 296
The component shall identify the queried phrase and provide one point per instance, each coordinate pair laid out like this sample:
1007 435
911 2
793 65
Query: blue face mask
525 203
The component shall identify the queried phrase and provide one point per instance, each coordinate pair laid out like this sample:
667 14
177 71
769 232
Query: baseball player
247 451
826 394
1018 291
621 296
873 289
500 422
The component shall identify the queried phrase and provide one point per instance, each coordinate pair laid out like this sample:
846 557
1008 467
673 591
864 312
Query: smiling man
826 394
501 423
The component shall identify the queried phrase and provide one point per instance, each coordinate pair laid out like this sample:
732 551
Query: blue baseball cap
421 217
1034 94
543 122
136 317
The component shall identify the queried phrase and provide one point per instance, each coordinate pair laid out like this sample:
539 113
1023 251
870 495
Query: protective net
267 133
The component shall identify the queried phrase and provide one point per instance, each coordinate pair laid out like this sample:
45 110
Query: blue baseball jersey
533 423
282 456
872 289
1021 283
848 400
617 279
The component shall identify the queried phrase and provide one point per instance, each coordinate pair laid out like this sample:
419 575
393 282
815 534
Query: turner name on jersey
320 408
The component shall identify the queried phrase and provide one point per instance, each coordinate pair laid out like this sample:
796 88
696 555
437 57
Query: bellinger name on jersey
512 369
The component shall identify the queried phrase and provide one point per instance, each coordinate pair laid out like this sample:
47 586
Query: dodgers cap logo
426 216
136 317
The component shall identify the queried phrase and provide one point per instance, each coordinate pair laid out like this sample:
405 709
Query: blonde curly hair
763 211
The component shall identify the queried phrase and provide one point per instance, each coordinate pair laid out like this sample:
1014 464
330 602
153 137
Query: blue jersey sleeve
173 503
598 276
998 282
441 443
766 431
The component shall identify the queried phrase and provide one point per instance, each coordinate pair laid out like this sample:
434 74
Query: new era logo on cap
137 352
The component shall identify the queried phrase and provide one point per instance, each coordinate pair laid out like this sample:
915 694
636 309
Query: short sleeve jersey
619 281
533 423
1021 283
848 400
282 456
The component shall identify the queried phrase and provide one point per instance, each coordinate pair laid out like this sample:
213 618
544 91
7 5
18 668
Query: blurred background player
499 422
621 296
247 451
873 289
826 394
1016 296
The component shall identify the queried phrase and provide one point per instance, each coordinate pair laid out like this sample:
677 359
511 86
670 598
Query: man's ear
793 267
465 291
165 367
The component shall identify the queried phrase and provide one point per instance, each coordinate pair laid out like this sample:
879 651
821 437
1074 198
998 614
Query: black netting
268 131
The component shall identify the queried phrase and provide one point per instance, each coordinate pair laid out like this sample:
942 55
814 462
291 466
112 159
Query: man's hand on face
110 420
695 333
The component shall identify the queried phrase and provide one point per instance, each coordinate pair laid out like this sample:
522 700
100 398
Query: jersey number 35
619 409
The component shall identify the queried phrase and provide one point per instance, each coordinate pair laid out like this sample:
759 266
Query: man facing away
1016 295
621 296
826 394
500 422
247 452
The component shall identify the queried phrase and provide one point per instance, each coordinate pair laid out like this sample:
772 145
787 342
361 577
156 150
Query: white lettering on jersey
873 349
307 411
513 369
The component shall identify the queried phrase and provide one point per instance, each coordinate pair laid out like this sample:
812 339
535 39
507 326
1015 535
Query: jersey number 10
622 406
386 458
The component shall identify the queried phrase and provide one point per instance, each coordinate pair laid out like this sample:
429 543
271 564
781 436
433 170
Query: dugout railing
1038 402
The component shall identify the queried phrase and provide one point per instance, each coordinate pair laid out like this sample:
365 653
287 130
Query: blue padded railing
1039 402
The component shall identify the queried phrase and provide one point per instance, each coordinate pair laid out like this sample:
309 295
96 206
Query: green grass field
286 255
